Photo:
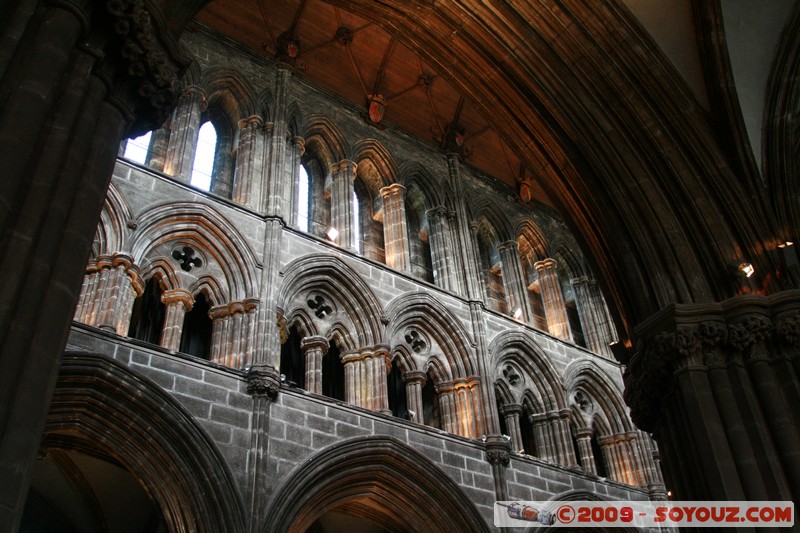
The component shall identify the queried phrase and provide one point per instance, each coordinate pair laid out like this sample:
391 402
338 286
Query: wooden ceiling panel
424 112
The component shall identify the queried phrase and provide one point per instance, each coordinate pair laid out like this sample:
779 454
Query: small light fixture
332 234
747 269
669 493
518 313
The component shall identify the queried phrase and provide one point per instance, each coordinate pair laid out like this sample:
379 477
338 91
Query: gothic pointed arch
112 231
608 406
333 293
325 140
782 133
519 349
230 89
422 313
372 154
102 407
225 253
533 244
412 173
378 477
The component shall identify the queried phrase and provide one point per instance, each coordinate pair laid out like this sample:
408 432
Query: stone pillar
110 287
267 341
487 418
717 386
511 413
594 316
365 378
513 281
69 97
395 230
610 458
264 388
157 152
314 349
178 302
447 415
184 132
584 438
468 255
541 435
277 192
498 453
552 299
441 248
249 162
232 332
566 437
414 382
343 174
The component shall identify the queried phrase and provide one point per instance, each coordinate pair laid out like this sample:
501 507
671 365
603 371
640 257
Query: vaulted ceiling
362 62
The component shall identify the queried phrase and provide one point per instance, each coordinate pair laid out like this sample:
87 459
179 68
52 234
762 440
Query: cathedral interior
371 266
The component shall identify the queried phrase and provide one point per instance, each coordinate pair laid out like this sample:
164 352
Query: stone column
594 316
111 285
365 378
343 174
314 349
511 413
566 437
249 162
498 453
414 382
447 416
552 299
69 97
441 248
717 386
157 152
513 281
541 435
184 131
178 302
395 229
466 245
278 190
584 438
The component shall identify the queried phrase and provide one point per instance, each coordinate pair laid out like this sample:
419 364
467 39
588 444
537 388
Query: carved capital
263 383
498 449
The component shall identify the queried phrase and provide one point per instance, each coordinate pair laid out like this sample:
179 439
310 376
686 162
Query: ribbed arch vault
426 314
210 232
103 407
334 281
377 477
518 348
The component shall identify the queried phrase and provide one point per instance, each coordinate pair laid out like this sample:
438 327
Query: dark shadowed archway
104 409
379 479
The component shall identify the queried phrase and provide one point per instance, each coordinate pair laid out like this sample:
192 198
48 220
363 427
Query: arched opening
108 412
491 268
526 432
418 236
599 461
196 333
138 149
372 482
575 323
147 316
431 414
204 156
396 389
333 373
72 491
303 203
293 360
